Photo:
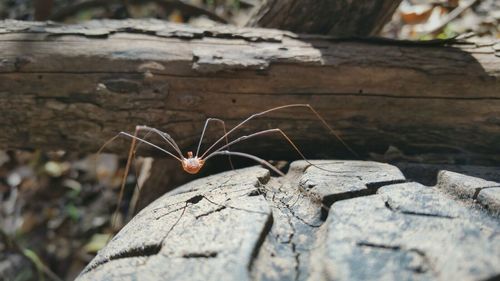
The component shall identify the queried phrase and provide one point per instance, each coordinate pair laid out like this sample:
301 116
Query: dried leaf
97 242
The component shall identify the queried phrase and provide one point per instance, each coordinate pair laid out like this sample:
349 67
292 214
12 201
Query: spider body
192 164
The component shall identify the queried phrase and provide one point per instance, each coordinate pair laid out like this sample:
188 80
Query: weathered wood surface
73 87
336 18
359 220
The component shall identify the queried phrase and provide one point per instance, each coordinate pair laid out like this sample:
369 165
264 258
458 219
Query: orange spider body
192 164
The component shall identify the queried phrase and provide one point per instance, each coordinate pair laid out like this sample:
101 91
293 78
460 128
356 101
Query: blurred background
56 206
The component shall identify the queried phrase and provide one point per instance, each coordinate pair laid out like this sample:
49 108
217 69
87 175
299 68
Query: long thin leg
146 142
205 128
225 134
255 158
124 178
278 108
162 134
267 132
168 139
131 154
139 139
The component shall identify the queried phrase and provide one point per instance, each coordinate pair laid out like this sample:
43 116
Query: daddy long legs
194 162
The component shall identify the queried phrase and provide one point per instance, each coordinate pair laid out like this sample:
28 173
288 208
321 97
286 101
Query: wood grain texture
336 18
359 220
74 87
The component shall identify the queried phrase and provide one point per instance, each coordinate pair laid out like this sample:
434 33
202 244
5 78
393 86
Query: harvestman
193 163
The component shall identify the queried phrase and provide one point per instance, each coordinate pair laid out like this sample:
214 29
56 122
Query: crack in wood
200 255
371 189
292 243
145 251
479 189
364 94
415 213
283 205
211 212
422 267
266 230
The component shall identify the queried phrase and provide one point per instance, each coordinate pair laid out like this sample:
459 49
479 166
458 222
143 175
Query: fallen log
75 86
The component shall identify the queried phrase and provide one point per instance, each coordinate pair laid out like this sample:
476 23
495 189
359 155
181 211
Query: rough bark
359 220
336 18
74 87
